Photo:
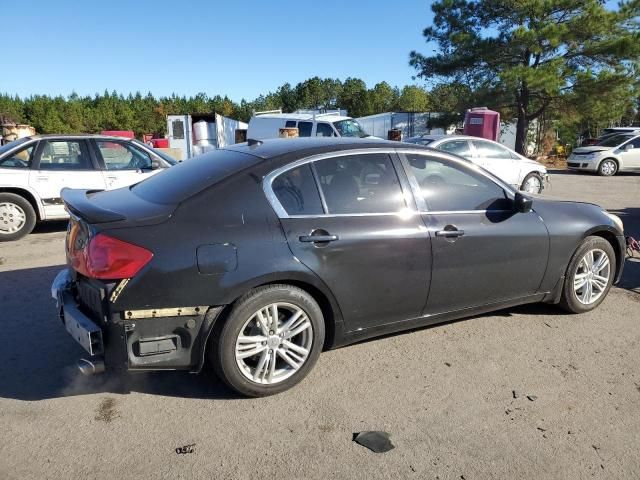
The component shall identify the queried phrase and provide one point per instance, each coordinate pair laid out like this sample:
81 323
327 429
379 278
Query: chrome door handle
449 233
318 238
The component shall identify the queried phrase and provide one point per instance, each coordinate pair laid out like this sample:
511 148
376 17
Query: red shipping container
160 142
482 122
119 133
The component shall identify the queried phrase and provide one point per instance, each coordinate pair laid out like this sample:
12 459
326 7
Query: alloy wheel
592 276
12 218
274 343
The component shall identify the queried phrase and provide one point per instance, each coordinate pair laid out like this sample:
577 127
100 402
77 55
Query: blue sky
240 49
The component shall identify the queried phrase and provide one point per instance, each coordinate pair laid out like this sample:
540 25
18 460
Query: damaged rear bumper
155 339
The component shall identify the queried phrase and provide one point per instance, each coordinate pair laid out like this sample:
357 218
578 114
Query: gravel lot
527 392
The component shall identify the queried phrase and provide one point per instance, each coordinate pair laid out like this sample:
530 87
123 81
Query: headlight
616 220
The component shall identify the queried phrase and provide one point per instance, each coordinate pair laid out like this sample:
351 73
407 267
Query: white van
264 125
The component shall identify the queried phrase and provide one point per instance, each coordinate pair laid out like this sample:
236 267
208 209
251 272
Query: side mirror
155 164
629 146
522 203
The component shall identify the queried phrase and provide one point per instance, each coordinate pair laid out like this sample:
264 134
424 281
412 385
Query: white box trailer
199 133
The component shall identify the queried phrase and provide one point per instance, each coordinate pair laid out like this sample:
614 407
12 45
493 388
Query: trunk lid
120 207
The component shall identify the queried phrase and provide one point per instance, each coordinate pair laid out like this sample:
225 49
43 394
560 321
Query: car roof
43 136
276 147
318 117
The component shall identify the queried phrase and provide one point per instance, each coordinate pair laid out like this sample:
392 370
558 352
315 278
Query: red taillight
109 258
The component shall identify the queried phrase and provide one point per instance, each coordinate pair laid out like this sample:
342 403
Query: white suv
518 171
33 171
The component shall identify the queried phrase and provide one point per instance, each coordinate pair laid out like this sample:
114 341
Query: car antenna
252 142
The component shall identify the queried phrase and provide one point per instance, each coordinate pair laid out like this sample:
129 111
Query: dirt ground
527 392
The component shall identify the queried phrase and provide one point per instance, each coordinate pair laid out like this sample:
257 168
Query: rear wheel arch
28 196
328 306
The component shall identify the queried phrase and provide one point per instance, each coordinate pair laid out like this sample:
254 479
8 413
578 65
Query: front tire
532 183
17 217
608 167
270 341
589 276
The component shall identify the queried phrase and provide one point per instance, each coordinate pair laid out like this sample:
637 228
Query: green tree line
594 104
147 113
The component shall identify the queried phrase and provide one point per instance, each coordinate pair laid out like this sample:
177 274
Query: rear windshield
181 181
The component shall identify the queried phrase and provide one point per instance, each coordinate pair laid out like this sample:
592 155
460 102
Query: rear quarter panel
231 215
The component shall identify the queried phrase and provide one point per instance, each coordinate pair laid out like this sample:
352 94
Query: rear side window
360 184
65 155
176 184
297 192
304 129
290 124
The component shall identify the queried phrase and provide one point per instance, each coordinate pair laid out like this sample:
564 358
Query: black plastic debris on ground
377 442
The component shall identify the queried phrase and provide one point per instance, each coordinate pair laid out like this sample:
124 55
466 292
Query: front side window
360 184
491 150
459 147
448 187
19 159
297 191
65 155
121 156
290 124
304 129
324 130
635 142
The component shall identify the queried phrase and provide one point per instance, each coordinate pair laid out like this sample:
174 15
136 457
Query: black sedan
255 257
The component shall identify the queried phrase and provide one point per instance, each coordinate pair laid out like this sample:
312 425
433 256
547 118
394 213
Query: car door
123 163
357 234
62 163
498 160
483 252
630 156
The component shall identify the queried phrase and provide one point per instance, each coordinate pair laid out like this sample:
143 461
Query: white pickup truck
33 171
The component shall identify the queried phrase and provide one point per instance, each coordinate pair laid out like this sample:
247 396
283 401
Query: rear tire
256 358
608 167
589 276
17 217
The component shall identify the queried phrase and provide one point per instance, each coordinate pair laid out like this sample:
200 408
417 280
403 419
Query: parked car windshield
349 128
8 146
615 140
176 184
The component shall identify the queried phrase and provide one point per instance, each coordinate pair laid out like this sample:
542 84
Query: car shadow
38 357
49 227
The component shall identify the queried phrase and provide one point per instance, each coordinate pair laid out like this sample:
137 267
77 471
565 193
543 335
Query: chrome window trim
282 213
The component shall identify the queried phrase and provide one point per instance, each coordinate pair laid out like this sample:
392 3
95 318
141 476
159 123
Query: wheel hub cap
12 218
